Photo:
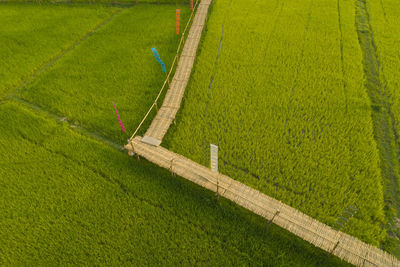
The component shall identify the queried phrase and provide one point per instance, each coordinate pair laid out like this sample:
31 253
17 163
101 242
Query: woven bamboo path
335 242
173 98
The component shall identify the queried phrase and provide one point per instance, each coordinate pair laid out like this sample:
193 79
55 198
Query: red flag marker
178 17
191 5
119 119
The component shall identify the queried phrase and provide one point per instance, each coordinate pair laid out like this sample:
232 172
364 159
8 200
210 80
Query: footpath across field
68 194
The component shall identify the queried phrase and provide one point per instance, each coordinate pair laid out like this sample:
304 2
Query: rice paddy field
288 90
31 37
69 195
69 199
112 65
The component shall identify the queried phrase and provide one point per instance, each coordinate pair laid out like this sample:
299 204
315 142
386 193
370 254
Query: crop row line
248 172
61 118
215 66
341 53
298 68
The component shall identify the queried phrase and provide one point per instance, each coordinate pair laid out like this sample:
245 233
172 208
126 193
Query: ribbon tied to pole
157 56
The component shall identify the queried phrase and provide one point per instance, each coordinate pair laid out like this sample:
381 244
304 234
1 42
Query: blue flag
157 56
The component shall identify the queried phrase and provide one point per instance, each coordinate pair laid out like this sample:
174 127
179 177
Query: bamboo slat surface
323 236
173 98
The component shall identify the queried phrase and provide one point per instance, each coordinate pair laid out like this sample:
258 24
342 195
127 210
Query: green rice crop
384 22
383 28
115 64
69 199
288 108
32 35
66 198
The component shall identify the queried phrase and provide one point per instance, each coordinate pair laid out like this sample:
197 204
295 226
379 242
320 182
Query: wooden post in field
191 5
214 161
178 18
214 157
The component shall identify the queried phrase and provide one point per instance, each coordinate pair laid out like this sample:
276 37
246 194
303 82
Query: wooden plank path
173 98
335 242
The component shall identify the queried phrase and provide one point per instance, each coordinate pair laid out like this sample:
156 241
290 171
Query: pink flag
119 119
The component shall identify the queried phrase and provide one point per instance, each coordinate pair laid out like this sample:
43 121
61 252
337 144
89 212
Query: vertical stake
217 186
334 248
191 5
170 167
214 163
131 152
214 157
273 217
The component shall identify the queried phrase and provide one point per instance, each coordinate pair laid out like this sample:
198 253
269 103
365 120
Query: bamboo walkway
334 242
173 98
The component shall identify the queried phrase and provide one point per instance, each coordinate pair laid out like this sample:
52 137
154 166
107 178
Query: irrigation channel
323 236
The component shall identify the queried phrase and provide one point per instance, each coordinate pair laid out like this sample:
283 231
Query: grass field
286 104
67 197
32 36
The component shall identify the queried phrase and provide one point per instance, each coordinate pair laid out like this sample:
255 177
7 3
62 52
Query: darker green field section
66 198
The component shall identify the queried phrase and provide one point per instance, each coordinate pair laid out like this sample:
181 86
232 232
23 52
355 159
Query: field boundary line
213 72
296 75
44 66
341 53
60 118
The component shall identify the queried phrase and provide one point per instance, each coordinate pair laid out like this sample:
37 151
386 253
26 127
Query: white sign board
214 157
